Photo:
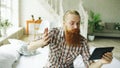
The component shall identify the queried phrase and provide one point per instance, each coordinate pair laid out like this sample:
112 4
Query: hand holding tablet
98 52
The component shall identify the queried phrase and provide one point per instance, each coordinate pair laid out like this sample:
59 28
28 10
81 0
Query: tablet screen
98 52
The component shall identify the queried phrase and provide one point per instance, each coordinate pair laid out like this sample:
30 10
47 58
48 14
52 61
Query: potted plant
93 19
4 24
117 26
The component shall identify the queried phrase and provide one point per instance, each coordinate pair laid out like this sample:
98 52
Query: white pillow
8 55
22 47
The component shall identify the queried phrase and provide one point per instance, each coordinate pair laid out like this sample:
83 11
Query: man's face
72 23
72 29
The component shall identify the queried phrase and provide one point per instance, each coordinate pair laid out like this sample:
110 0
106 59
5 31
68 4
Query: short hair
70 12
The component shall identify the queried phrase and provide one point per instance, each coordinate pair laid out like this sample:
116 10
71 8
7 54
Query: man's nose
75 26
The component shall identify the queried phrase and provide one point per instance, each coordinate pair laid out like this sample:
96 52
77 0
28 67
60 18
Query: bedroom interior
51 12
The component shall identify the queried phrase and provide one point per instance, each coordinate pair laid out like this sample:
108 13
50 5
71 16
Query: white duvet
37 61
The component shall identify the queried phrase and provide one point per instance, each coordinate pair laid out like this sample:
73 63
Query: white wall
71 4
109 9
37 8
33 7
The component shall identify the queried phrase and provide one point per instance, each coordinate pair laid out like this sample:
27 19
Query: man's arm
40 43
107 58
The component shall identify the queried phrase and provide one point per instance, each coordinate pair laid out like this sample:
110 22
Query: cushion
22 47
8 55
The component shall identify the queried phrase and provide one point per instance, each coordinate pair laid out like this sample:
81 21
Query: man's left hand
107 58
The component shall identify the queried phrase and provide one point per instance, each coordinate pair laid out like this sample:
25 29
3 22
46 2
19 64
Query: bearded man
66 44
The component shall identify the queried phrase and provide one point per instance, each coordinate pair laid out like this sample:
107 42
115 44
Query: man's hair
70 12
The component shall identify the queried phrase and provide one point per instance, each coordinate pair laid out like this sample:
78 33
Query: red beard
72 37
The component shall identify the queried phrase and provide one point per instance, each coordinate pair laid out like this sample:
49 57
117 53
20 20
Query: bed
10 57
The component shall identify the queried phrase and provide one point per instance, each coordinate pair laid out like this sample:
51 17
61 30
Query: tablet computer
98 52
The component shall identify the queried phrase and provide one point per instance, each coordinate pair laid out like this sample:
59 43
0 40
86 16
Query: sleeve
25 52
85 53
53 34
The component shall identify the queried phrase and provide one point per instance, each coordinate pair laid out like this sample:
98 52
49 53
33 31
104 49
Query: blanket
10 58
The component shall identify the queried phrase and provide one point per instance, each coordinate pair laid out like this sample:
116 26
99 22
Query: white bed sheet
38 61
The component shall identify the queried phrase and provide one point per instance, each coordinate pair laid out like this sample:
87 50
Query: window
9 10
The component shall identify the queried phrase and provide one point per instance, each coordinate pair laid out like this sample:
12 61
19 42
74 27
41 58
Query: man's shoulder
56 29
83 38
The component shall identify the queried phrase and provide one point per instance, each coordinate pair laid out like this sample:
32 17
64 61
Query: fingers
45 34
46 40
46 30
107 56
46 37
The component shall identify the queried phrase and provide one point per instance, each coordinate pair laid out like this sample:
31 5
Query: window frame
10 10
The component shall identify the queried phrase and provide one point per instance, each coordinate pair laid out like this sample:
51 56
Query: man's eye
72 23
78 24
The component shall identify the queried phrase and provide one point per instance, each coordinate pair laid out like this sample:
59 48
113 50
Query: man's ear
63 22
